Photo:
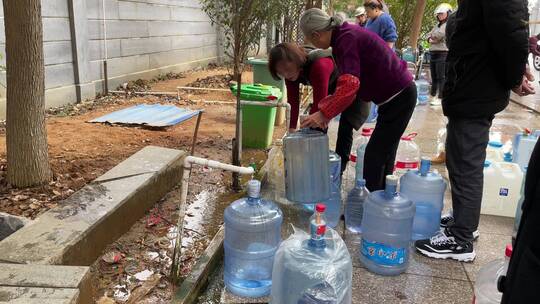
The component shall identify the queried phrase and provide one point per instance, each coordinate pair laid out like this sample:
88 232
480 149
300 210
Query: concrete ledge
197 279
77 231
21 282
27 295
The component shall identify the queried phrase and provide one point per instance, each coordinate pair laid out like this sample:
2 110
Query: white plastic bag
302 275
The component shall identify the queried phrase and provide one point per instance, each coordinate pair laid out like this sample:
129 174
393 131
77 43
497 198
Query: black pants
438 72
381 150
523 276
466 143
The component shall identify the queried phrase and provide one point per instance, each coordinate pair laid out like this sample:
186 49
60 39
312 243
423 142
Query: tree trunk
417 22
27 154
237 145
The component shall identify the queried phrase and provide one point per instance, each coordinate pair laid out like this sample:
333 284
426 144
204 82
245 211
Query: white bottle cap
254 188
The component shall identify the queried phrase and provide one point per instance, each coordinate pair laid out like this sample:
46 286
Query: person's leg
344 142
433 71
381 150
466 144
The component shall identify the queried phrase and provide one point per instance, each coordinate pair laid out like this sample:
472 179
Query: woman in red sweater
315 67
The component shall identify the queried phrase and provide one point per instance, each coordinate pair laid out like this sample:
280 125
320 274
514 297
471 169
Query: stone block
143 11
193 41
57 52
54 8
56 29
117 29
96 49
77 231
94 9
140 46
59 75
176 28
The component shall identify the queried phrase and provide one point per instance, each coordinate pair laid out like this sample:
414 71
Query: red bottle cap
508 251
320 208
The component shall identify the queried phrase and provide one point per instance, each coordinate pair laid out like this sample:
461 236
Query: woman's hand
316 120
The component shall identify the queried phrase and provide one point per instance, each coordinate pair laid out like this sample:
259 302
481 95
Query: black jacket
523 277
488 49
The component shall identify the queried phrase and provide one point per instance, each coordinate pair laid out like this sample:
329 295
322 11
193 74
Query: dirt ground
79 151
134 269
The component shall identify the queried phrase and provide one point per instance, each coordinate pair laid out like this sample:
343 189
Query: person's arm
390 31
438 35
319 77
346 89
506 25
293 98
347 60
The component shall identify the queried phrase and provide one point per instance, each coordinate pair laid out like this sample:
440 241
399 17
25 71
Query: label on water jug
406 165
503 192
383 254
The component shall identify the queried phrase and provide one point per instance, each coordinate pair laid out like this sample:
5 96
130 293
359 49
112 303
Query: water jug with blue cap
426 190
387 230
252 236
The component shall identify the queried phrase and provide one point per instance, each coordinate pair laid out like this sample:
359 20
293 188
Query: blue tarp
149 115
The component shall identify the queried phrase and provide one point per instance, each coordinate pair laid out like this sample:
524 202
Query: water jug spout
254 189
391 185
425 165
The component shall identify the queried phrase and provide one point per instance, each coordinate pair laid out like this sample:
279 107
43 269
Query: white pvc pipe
188 162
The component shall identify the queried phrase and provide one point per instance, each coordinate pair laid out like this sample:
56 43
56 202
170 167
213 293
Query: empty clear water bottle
485 289
387 230
361 151
333 204
314 268
252 236
426 190
354 208
408 155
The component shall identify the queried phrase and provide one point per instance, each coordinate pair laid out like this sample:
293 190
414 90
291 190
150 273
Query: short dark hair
285 51
374 4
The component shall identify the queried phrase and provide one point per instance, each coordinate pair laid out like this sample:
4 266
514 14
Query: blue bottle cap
487 163
425 165
495 144
254 188
360 183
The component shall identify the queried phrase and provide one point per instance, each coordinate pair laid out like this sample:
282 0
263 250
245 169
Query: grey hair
316 20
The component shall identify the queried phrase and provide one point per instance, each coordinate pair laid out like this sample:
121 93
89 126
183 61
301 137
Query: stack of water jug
258 263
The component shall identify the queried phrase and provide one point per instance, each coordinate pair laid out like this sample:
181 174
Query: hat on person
360 11
443 8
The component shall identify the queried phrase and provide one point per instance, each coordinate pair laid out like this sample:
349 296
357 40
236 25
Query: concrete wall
144 38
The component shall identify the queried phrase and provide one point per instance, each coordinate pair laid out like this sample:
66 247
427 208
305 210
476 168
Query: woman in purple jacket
370 69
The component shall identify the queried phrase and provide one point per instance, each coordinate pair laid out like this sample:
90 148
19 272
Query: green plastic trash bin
262 75
257 121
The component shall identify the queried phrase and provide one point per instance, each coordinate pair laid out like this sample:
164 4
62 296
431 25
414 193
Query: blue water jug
333 204
387 230
354 208
422 86
252 236
426 190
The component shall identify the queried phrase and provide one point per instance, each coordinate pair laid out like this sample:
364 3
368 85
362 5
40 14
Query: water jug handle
410 136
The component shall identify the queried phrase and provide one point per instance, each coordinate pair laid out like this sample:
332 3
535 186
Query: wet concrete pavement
426 280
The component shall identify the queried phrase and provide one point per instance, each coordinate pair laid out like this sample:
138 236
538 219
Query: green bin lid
257 92
257 61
